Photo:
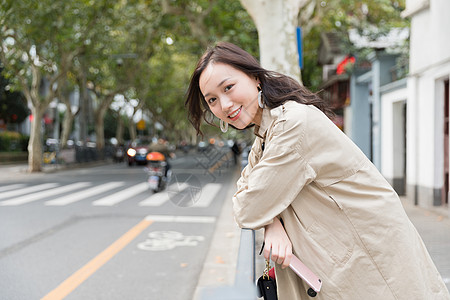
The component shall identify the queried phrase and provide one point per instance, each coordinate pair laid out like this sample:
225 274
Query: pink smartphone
306 274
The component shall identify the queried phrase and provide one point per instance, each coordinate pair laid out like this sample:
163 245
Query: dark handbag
266 286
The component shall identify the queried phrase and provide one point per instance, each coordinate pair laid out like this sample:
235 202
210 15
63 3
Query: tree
63 93
137 106
165 105
190 27
37 50
198 24
116 61
276 21
106 48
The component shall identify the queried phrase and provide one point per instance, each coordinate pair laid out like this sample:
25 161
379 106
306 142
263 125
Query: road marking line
78 196
155 200
11 187
122 195
77 278
159 198
168 240
44 194
30 189
180 219
208 194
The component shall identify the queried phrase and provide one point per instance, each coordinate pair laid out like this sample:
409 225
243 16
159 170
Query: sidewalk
433 226
220 264
11 171
219 268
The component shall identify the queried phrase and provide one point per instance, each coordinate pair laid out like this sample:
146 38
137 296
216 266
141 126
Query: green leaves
147 48
371 19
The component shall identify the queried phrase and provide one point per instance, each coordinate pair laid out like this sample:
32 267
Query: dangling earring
260 100
223 126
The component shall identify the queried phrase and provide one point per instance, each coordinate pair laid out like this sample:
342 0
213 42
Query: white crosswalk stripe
208 194
27 190
110 194
122 195
11 187
78 196
44 194
160 198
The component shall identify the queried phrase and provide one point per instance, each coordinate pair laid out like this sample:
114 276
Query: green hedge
13 141
13 157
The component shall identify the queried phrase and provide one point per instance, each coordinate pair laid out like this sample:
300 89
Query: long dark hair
276 87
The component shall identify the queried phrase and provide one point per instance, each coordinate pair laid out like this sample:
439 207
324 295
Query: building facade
428 103
369 100
402 124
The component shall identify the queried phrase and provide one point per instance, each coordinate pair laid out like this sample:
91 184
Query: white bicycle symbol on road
166 240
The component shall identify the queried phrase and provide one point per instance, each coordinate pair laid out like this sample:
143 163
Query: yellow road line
71 283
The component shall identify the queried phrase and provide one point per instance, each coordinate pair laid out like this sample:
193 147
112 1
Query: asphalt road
99 233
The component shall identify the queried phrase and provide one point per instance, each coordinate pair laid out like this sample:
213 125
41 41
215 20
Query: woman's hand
275 238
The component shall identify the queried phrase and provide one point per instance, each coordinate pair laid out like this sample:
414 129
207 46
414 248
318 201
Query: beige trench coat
344 220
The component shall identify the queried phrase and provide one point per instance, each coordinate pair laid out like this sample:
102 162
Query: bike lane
165 259
138 258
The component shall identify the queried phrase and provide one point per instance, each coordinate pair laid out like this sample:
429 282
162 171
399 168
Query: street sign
140 125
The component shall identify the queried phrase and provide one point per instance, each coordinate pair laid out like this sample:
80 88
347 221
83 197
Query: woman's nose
226 104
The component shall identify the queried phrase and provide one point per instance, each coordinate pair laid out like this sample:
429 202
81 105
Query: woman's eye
228 87
211 100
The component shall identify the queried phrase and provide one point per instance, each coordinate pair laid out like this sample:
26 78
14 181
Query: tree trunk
131 125
132 129
83 103
100 128
63 95
38 107
103 105
276 21
67 126
35 142
119 129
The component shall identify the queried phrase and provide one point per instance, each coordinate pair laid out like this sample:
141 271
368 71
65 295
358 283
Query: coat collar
268 116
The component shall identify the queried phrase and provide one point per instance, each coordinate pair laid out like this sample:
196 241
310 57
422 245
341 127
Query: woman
309 186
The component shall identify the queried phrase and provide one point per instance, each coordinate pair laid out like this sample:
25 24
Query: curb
23 167
219 268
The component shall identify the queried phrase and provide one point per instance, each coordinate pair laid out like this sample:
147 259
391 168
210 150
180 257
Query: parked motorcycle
158 174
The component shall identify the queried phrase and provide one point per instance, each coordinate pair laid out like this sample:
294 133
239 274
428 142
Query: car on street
137 152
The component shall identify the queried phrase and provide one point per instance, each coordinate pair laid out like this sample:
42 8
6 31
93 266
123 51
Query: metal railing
244 284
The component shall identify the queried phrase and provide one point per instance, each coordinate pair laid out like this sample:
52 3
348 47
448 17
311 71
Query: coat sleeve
253 159
271 185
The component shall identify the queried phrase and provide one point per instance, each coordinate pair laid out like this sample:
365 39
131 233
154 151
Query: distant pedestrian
236 152
311 188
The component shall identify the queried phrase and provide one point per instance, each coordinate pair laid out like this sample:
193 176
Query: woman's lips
235 114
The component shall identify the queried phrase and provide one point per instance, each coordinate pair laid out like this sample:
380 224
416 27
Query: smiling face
231 94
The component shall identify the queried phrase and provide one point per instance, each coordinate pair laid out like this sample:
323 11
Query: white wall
429 66
426 131
348 121
430 126
392 160
412 124
430 36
